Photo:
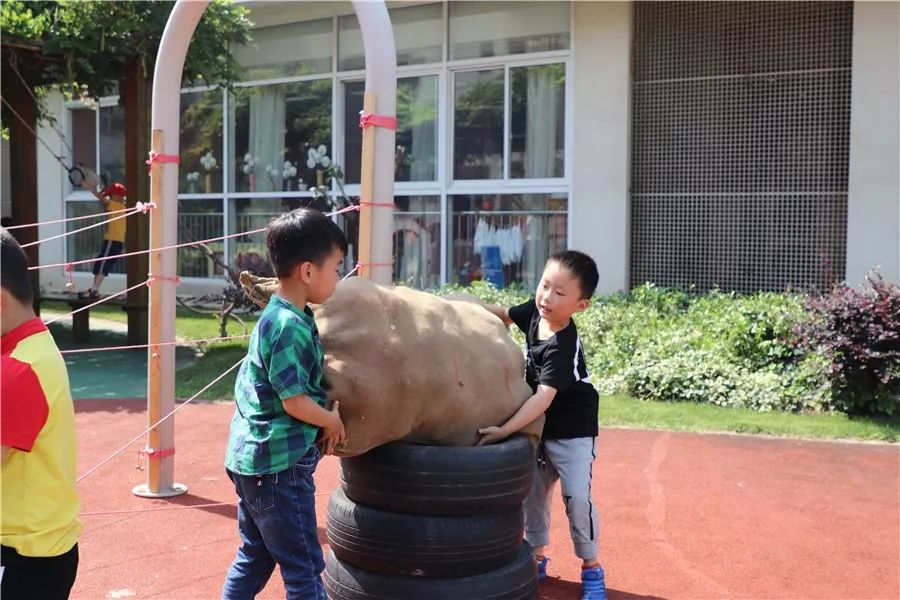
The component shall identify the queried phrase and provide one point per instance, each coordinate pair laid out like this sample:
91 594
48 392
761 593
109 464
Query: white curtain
267 123
541 123
414 235
540 156
424 150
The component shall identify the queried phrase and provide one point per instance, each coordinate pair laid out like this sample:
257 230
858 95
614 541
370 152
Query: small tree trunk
137 96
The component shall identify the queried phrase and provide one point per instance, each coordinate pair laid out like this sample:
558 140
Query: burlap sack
409 365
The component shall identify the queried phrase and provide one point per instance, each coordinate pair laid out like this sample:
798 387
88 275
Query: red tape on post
148 453
161 158
379 204
370 120
361 266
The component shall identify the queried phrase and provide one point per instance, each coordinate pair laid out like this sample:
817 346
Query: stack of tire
416 522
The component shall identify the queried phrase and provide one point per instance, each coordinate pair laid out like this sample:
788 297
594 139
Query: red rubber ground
683 515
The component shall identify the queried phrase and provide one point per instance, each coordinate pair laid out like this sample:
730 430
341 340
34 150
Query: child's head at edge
306 249
566 286
15 286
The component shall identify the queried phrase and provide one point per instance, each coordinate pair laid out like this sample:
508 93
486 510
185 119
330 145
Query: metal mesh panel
740 144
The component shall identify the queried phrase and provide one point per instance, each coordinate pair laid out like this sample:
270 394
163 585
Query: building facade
746 145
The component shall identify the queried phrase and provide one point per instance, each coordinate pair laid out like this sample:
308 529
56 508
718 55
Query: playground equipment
376 195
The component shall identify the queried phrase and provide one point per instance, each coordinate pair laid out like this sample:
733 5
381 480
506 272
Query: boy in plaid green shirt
280 411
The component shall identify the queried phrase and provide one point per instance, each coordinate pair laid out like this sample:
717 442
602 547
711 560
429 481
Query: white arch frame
378 158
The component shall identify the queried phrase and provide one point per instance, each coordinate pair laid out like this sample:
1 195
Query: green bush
717 348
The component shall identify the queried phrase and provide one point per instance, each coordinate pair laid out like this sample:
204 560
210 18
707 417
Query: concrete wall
51 193
601 138
873 220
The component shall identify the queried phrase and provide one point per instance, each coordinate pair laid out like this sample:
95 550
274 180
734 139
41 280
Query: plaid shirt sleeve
292 360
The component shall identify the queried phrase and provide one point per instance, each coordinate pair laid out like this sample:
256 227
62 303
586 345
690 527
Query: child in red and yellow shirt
39 524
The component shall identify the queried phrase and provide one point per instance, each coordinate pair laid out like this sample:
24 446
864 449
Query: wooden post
23 167
136 98
366 188
160 401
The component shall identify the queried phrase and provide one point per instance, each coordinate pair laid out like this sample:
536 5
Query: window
112 143
287 50
482 29
505 238
417 241
200 170
537 121
274 125
109 130
478 125
416 147
84 137
480 146
200 220
417 37
249 214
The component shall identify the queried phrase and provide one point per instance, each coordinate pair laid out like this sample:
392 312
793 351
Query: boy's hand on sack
333 433
490 435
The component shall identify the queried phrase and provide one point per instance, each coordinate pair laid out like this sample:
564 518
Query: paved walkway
683 515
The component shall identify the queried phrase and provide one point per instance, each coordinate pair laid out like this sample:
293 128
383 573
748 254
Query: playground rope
34 133
69 219
141 207
152 427
353 207
141 346
100 301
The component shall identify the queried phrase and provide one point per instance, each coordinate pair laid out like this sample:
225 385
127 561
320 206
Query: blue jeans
277 523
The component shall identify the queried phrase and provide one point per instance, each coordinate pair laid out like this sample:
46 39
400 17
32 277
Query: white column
600 203
873 219
381 81
165 137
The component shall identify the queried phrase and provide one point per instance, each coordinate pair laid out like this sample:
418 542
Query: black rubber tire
516 580
441 480
413 545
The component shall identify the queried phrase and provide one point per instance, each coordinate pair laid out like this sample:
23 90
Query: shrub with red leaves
858 330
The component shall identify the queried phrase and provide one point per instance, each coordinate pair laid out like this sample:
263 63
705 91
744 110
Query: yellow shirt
40 505
115 231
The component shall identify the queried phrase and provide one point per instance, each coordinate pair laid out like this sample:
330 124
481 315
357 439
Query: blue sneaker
542 568
593 586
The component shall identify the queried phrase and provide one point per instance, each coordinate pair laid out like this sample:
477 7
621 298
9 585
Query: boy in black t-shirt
557 374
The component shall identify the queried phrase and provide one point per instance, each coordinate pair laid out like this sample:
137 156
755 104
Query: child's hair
302 235
582 267
14 268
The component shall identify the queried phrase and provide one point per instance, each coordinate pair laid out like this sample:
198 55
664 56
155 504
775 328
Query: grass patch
217 359
625 411
112 313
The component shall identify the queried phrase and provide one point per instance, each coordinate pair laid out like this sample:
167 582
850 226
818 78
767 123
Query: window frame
444 186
